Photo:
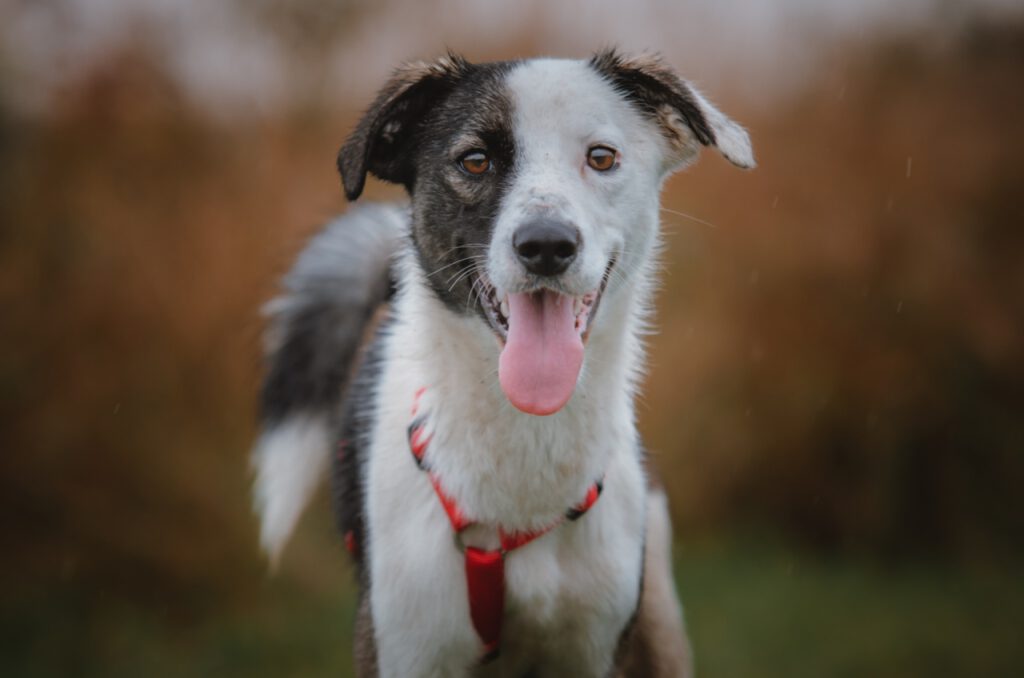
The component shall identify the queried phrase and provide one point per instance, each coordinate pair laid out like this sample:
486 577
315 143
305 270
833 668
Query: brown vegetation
841 355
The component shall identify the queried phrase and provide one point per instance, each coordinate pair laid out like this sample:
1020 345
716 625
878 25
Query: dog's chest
568 595
570 592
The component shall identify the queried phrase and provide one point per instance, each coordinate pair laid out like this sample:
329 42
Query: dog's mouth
542 333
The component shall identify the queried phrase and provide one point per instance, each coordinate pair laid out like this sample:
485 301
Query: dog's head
534 188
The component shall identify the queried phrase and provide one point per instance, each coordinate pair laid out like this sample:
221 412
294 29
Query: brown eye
601 158
475 162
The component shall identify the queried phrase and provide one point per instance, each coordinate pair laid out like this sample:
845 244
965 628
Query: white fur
570 593
289 460
510 469
731 139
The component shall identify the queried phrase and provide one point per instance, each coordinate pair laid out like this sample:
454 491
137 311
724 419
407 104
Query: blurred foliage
307 27
841 362
308 31
142 241
845 350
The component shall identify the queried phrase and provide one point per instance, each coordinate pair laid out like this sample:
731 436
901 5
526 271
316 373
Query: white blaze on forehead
561 106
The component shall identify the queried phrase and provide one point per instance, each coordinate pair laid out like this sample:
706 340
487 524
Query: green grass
304 636
753 609
765 611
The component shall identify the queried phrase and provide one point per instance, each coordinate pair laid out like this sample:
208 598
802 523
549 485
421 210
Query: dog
465 367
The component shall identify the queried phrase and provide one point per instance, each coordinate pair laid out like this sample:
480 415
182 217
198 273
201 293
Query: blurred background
836 394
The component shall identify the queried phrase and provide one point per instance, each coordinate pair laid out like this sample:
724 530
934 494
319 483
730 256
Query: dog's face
535 191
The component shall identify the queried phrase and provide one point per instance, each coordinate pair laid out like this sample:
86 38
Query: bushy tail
314 332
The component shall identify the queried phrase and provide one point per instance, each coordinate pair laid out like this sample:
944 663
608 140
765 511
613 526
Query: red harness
485 570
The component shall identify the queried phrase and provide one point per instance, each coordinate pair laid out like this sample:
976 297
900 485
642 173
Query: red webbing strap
485 583
455 516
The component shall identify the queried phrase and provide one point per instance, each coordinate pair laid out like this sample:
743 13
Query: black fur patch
453 211
349 461
386 140
308 372
423 121
650 84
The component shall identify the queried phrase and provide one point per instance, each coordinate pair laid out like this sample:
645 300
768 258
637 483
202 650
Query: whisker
458 261
688 216
475 259
461 276
476 290
481 287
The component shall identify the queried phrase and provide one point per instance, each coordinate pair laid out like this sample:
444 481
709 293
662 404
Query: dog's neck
506 467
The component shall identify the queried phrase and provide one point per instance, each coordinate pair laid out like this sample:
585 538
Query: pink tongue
543 353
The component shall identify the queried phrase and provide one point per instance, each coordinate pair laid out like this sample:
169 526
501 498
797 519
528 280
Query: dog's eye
475 162
601 158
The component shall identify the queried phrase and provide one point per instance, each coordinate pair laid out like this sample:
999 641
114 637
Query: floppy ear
385 139
686 118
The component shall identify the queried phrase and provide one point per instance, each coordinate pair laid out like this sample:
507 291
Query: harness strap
485 583
485 569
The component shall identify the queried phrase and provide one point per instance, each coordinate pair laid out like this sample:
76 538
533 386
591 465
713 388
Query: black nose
546 246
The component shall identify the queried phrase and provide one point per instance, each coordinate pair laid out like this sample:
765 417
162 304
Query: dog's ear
686 118
384 140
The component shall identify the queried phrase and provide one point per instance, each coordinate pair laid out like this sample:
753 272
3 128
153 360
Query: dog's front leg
418 597
657 646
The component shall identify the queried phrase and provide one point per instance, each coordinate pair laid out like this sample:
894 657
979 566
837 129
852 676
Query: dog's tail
314 332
